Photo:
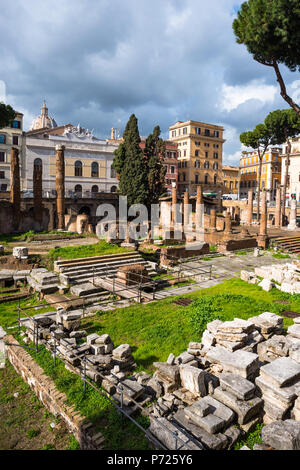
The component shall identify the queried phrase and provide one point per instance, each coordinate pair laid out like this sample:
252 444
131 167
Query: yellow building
270 172
230 179
11 136
200 150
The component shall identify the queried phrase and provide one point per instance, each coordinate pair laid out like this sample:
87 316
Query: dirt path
24 422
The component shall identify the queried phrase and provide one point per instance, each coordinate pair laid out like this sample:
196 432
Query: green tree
259 139
7 115
130 165
154 152
284 124
270 31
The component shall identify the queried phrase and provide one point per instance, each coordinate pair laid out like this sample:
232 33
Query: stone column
250 207
186 209
199 203
262 238
38 192
15 189
174 202
293 215
278 208
60 186
228 229
213 220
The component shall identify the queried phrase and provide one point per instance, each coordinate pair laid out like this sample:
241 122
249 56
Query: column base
262 241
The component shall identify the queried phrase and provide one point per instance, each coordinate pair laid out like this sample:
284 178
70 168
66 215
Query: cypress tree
129 162
154 153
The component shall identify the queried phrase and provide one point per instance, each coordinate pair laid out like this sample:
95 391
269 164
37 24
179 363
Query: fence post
82 306
19 318
54 352
84 374
37 337
175 434
122 403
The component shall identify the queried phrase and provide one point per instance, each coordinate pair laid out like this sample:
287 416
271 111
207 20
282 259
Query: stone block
238 325
131 388
122 351
239 387
168 371
193 379
184 358
294 330
165 431
281 372
245 410
282 435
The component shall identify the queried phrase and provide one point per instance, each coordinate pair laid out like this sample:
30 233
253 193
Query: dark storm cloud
97 61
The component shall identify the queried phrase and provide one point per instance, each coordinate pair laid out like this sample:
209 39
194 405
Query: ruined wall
26 220
52 399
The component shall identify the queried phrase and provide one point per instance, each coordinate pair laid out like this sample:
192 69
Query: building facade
200 153
12 136
270 172
293 180
230 179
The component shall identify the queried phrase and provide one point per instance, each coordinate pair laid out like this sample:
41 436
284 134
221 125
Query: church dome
43 120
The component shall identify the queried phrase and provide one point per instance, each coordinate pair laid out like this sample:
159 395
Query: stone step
104 266
92 259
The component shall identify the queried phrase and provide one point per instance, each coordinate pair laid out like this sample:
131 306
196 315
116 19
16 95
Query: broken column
293 215
60 186
15 193
228 230
199 203
250 207
174 202
38 190
213 220
278 208
262 239
186 212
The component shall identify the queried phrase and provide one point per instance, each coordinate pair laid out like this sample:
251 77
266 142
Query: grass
82 251
280 255
27 236
93 406
252 438
154 330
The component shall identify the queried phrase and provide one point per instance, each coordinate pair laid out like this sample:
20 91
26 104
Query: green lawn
82 251
156 329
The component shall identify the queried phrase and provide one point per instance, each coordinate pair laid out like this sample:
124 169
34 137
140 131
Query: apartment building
270 172
293 186
200 152
11 136
230 179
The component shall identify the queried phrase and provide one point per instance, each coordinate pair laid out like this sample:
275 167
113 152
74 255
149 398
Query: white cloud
2 91
233 96
295 86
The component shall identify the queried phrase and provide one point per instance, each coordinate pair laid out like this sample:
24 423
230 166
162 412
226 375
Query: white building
293 189
12 136
88 160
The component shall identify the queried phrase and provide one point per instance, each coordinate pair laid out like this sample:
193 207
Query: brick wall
52 399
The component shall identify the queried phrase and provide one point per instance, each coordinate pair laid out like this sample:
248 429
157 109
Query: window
15 140
172 169
215 179
198 130
216 146
184 164
184 153
216 133
78 169
95 170
179 164
184 130
38 164
196 153
216 155
95 189
2 175
197 143
197 164
173 133
183 176
3 187
78 188
206 154
2 157
206 144
207 132
215 167
16 125
2 139
196 179
206 165
206 179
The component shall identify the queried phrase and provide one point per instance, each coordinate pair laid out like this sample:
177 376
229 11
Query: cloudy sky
98 61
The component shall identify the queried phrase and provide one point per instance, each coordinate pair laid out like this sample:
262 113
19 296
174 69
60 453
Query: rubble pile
279 385
285 277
